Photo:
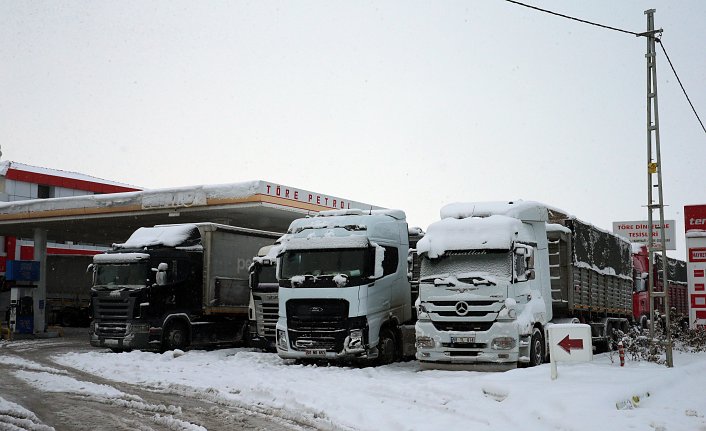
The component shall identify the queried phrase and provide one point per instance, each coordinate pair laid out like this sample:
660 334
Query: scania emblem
316 309
461 308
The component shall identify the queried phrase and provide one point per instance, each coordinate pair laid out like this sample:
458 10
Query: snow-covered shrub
639 347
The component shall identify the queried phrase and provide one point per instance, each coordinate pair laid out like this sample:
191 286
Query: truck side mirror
410 263
161 276
523 263
530 274
530 261
379 257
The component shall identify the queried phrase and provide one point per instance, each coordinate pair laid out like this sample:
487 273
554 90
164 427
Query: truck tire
387 347
536 348
176 337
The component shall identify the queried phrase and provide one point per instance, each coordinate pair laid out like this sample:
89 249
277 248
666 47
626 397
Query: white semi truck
494 275
264 300
345 292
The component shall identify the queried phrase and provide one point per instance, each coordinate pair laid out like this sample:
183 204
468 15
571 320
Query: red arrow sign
571 343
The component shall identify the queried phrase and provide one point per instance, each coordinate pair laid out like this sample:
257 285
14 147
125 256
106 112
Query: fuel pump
22 274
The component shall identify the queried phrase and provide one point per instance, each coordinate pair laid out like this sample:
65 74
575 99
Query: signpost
569 342
638 232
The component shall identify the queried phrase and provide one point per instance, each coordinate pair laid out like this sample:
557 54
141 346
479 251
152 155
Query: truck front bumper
351 348
134 336
466 350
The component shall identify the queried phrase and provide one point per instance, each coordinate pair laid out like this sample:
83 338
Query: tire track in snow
198 411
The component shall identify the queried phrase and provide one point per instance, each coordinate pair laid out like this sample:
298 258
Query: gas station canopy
109 218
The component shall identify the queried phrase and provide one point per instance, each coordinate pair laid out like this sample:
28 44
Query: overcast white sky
404 104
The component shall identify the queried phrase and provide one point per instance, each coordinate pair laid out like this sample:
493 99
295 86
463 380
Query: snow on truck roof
120 257
167 236
486 226
523 210
470 233
175 235
325 242
354 219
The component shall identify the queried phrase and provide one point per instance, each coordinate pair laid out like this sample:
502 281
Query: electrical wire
573 18
681 85
688 99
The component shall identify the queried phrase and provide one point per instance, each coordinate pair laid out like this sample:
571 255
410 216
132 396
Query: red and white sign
695 229
569 342
698 300
694 217
697 254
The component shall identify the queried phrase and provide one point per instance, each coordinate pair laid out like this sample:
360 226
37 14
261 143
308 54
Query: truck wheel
536 348
386 347
176 338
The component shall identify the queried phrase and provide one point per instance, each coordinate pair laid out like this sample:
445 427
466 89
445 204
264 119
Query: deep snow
401 397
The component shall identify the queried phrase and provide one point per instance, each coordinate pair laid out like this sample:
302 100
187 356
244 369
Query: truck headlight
503 343
282 339
356 338
507 313
425 342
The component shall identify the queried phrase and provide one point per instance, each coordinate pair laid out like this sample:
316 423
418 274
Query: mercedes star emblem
461 308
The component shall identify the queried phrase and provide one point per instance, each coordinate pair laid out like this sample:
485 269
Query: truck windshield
350 262
266 274
492 262
114 276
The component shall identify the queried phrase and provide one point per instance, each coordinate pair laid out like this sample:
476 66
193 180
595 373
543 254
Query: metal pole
650 127
40 294
655 167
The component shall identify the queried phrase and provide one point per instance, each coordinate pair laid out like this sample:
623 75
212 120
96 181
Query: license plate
315 352
111 342
462 340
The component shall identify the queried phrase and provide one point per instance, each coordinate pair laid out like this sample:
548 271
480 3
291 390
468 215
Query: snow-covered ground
401 397
16 417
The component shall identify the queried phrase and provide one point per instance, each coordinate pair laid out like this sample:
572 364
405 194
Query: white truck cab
484 287
344 289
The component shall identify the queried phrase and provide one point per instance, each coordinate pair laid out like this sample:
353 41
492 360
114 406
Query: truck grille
317 323
111 314
267 314
112 308
479 316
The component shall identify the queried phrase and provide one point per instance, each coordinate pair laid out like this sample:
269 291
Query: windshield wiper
443 282
476 281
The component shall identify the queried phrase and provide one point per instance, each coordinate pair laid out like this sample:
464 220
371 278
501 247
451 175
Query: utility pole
654 167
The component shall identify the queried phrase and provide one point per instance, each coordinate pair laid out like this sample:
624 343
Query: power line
573 18
647 34
680 84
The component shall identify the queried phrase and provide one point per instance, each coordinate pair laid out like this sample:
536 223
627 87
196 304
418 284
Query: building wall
20 182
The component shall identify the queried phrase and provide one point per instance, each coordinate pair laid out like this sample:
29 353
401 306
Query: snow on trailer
591 270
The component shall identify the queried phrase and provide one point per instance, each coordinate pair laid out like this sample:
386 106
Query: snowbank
401 397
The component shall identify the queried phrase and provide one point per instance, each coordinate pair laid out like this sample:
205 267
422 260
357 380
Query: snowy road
36 393
70 386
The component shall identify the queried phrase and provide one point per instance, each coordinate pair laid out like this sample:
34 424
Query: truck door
523 273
